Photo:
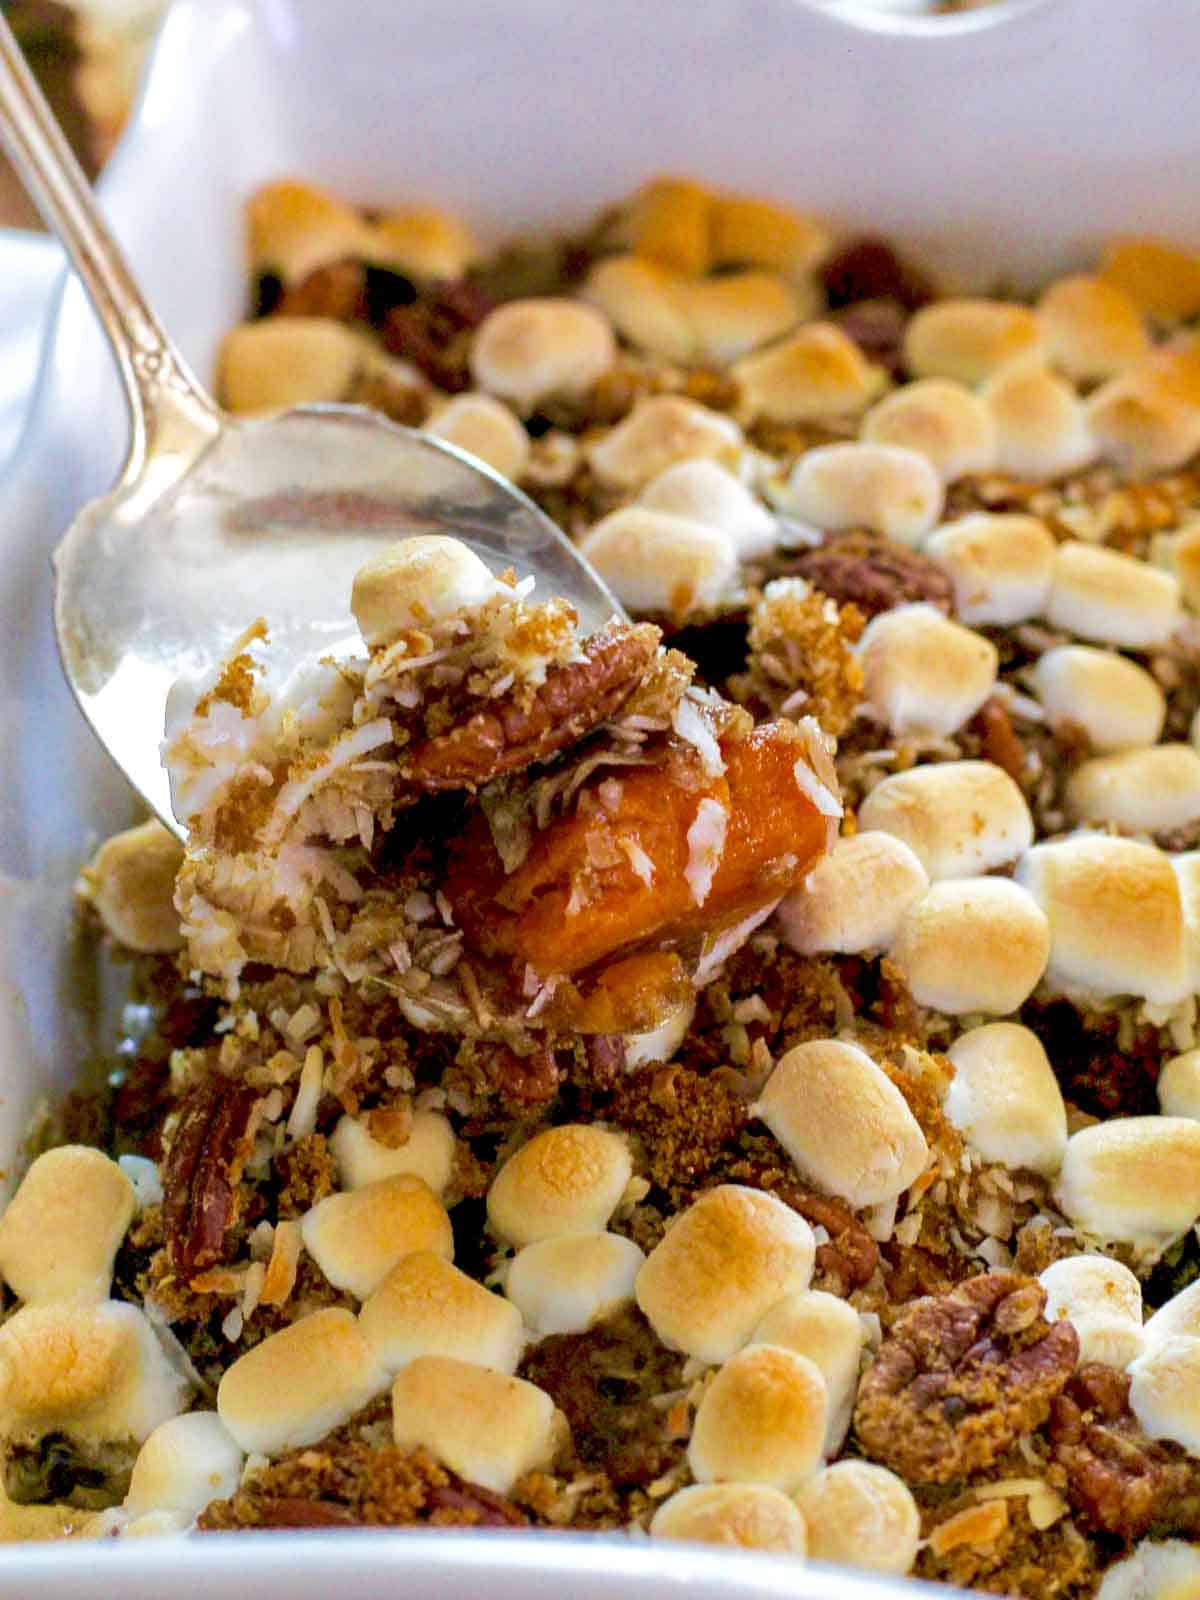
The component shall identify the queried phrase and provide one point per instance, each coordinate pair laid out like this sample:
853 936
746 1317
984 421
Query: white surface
29 270
1029 131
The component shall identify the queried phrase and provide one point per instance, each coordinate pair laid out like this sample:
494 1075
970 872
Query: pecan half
961 1377
999 743
213 1137
873 573
869 269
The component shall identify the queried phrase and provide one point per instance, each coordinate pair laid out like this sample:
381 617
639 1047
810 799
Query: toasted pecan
212 1139
873 573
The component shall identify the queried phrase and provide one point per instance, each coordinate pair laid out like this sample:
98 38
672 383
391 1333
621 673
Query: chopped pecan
961 1377
873 573
465 1504
213 1137
337 291
851 1255
434 331
869 269
877 328
998 741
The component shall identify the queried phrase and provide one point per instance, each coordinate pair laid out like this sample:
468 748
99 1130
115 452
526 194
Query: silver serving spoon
214 521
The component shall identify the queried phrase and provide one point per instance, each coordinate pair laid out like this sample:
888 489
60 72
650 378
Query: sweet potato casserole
733 1076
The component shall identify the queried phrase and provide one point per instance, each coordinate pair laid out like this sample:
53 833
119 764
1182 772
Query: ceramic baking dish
1017 135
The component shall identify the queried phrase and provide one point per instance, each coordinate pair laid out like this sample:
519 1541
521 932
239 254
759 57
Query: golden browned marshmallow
567 1179
860 1515
296 1385
843 1122
940 419
295 228
641 299
657 562
816 373
528 350
1163 279
1102 1300
414 582
1178 1317
357 1238
969 340
1116 702
1091 327
668 222
853 899
761 233
749 1516
973 944
762 1420
564 1284
704 491
488 429
427 1152
1133 1179
923 673
186 1462
959 818
662 1041
720 1266
1000 564
1112 598
1164 1391
828 1331
421 242
484 1425
1005 1099
288 361
1186 868
1116 917
131 883
732 315
892 491
1150 791
63 1227
427 1307
1041 425
660 430
1166 1570
1178 1086
1183 559
1148 419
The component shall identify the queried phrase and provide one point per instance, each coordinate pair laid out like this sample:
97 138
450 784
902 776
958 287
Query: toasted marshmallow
1005 1099
1114 599
892 491
1183 553
1178 1317
923 673
488 429
426 1307
939 419
853 899
567 1179
295 228
860 1515
1146 421
63 1227
186 1462
762 1420
703 491
1102 1300
660 430
641 300
1186 868
959 818
973 944
131 883
414 582
720 1266
1134 1179
488 1427
421 242
1178 1086
969 340
843 1122
750 1516
761 233
654 561
668 221
357 1238
1092 329
1117 703
1116 917
816 373
828 1331
288 361
1164 1391
1000 565
564 1284
1154 1571
427 1153
529 350
1041 425
732 315
662 1041
1151 790
299 1383
1163 279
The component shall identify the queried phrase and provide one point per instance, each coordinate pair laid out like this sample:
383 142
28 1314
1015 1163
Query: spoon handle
169 412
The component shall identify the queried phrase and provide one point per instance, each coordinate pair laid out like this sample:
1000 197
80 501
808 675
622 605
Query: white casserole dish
1021 135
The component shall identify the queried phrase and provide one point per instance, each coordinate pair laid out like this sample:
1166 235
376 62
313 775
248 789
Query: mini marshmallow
1041 425
131 882
1112 598
1116 702
1183 559
186 1462
719 1268
703 491
288 361
63 1227
1116 918
1146 421
488 1427
761 1420
817 373
860 1515
853 899
969 340
749 1516
668 222
923 673
641 300
843 1122
567 1179
1092 329
657 562
565 1284
734 314
1178 1317
1178 1086
1150 791
357 1238
1133 1179
1000 564
414 582
1169 1570
882 487
959 818
828 1331
427 1307
1186 868
1005 1099
299 1383
421 242
1164 1391
662 1041
488 429
1102 1300
660 430
427 1153
295 228
529 350
941 420
761 233
1163 279
973 944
